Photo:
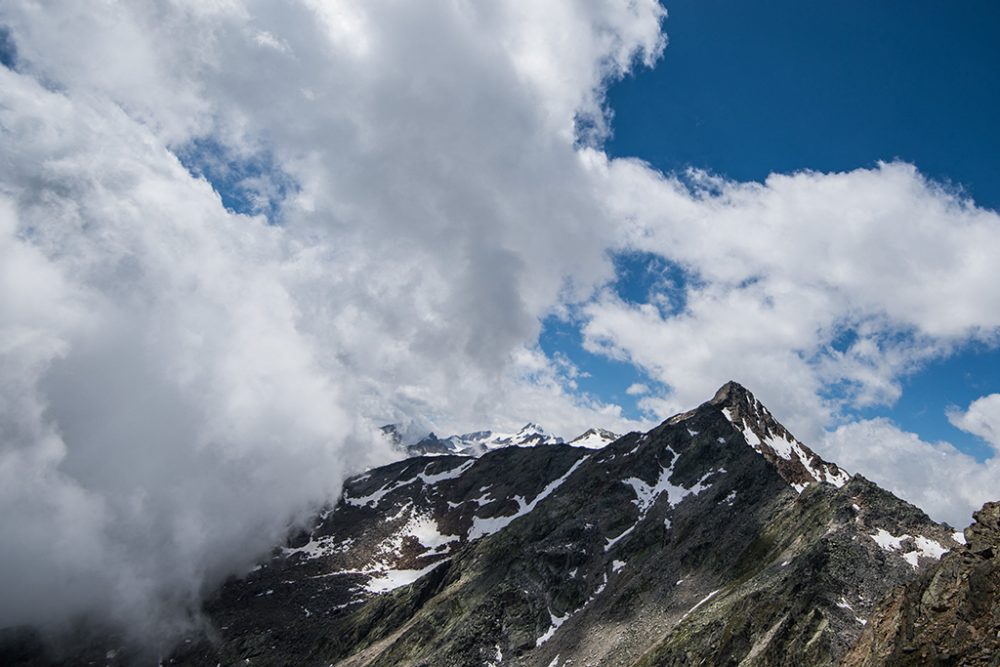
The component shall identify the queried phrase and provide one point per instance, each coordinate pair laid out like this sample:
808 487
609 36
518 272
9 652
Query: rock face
716 538
795 462
948 616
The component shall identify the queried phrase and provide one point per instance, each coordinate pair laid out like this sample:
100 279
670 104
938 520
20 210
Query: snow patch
929 548
373 499
425 530
594 439
646 495
701 602
923 546
454 473
556 623
612 541
392 579
597 591
482 527
318 547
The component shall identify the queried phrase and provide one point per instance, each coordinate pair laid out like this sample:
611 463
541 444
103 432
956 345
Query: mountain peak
391 432
796 463
594 438
732 392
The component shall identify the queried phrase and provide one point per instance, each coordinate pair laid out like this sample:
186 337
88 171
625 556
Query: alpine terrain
716 538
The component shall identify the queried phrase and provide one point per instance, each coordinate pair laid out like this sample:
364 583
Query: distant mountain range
480 442
717 538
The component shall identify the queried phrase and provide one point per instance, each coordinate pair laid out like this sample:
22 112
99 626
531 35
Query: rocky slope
950 615
716 538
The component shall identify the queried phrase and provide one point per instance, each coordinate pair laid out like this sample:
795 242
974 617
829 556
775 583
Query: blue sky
747 89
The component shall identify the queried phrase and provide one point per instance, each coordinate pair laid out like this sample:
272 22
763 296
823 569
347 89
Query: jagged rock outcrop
948 616
716 538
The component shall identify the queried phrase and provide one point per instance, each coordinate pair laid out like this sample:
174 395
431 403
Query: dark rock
950 615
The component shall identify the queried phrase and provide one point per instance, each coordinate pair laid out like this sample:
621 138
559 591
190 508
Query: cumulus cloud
981 418
799 284
159 398
182 381
941 480
820 292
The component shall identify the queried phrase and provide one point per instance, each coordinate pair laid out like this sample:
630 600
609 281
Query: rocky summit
717 538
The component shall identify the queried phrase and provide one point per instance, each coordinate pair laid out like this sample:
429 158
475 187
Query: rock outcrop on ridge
950 615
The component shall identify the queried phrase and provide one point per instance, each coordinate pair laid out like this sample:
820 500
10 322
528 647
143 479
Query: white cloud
637 389
941 480
982 418
155 377
800 283
179 381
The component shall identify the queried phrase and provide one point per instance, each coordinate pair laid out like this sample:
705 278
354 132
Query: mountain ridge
950 614
714 537
477 443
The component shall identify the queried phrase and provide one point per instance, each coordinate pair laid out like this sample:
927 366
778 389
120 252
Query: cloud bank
182 381
934 476
418 187
804 281
820 291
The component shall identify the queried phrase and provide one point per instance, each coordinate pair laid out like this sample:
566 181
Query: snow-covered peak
529 436
594 438
477 443
799 465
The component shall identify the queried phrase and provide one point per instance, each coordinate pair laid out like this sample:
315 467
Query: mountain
594 438
716 538
478 442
